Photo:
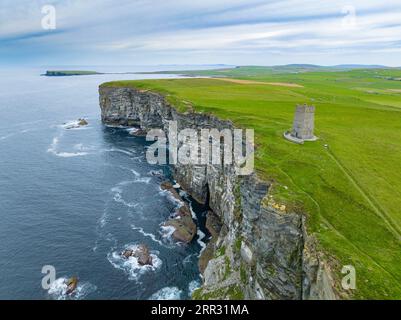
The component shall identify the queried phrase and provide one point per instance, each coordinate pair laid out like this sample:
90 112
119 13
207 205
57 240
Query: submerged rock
72 284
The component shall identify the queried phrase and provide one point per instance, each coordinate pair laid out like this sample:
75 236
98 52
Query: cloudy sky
240 32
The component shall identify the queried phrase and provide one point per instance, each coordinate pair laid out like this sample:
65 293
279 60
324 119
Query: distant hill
360 66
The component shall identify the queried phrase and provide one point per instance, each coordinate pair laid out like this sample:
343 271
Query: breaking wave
58 290
167 293
201 236
54 146
73 125
147 234
192 286
167 233
118 198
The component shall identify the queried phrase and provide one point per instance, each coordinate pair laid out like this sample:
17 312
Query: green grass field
350 189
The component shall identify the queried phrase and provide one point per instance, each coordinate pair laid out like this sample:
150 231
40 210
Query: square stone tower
304 122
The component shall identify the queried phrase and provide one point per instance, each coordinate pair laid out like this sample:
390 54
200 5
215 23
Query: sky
234 32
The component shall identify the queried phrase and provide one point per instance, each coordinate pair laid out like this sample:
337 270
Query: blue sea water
75 198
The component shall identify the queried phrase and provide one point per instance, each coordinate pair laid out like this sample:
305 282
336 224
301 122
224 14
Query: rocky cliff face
257 251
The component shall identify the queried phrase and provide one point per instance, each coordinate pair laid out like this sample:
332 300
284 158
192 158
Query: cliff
258 251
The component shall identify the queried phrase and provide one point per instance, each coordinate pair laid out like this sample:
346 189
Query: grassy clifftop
348 182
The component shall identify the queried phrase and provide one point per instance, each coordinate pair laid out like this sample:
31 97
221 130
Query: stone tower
304 124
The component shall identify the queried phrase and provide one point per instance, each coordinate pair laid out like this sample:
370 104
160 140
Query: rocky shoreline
257 250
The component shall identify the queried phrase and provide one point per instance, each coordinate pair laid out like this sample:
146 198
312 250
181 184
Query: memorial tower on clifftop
304 124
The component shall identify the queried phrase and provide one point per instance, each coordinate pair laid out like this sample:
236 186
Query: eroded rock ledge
257 251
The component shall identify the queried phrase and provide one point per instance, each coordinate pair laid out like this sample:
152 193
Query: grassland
348 182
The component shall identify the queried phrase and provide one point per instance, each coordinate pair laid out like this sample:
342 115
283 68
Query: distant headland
65 73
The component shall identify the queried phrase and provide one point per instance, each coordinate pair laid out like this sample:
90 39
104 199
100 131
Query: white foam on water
81 147
28 130
192 286
103 218
167 293
176 186
185 195
156 172
117 197
171 198
187 259
132 130
129 153
145 180
54 146
131 266
7 136
167 233
22 124
182 193
16 133
70 154
58 290
135 172
73 125
193 214
201 236
146 234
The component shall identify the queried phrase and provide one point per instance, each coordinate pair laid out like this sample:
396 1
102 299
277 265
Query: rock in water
142 253
185 228
72 284
82 122
77 124
167 185
127 253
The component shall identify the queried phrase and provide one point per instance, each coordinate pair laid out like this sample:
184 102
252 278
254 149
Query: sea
73 198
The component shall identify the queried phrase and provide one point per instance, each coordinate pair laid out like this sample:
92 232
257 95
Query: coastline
260 252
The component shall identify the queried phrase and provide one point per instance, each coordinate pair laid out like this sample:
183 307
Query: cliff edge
257 250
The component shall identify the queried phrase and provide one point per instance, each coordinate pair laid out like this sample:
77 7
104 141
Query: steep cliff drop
257 251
